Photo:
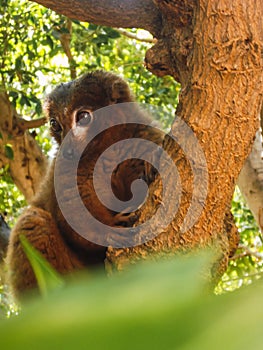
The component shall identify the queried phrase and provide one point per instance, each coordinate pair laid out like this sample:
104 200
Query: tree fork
213 48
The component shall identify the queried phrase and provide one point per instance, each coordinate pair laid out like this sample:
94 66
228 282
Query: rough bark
29 164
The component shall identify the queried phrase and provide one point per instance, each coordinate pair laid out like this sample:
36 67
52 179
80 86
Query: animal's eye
54 124
84 118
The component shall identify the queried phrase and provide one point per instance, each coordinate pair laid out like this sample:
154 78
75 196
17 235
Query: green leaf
152 306
38 108
139 308
24 100
64 30
9 153
48 279
13 94
76 21
100 39
18 63
92 26
50 42
113 34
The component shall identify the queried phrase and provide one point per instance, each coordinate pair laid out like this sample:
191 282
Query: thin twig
247 252
251 275
135 37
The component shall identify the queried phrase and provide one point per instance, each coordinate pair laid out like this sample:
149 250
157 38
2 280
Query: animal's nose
68 153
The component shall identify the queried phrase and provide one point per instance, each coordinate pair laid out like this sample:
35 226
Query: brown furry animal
70 107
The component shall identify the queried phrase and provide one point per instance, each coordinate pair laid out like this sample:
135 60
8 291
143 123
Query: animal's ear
119 91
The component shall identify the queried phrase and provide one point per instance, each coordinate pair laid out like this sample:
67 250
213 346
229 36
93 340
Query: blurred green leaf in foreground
47 278
162 305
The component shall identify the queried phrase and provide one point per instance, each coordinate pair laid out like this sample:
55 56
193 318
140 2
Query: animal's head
72 104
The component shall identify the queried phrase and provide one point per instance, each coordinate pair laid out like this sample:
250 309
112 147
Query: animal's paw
125 219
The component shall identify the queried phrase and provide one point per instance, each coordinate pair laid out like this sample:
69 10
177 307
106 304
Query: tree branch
6 114
112 13
65 39
24 125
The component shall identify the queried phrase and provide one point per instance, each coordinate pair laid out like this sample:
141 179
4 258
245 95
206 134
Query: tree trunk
214 50
250 180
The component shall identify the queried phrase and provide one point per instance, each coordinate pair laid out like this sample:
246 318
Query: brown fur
42 222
